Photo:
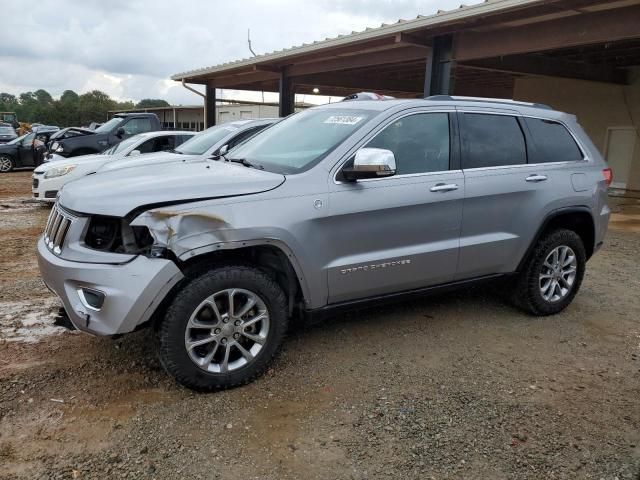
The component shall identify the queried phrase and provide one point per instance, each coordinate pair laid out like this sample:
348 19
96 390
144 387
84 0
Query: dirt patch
455 386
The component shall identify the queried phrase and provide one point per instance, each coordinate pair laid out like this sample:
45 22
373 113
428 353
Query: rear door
401 232
507 192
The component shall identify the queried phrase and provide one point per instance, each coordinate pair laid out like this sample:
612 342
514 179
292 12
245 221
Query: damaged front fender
189 233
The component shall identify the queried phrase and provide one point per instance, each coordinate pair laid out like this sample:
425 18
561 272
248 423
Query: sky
130 48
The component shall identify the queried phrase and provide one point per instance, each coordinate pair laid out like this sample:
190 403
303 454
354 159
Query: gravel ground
459 386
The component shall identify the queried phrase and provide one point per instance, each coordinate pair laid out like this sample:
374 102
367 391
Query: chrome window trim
406 175
379 128
524 165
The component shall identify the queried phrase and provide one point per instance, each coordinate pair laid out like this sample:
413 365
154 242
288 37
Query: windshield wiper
243 161
173 150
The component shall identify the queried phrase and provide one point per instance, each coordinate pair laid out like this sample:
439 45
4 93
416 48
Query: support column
438 74
210 107
287 96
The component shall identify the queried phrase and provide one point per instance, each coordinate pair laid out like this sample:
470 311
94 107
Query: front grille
56 229
36 182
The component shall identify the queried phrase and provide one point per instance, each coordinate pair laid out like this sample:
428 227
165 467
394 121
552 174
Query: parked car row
26 151
219 244
168 146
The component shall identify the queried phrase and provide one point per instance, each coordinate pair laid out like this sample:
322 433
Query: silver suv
332 208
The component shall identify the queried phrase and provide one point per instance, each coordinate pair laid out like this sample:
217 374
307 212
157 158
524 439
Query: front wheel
6 164
223 328
553 274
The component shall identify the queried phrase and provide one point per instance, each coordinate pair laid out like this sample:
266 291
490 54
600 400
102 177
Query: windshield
110 125
122 146
6 130
202 142
301 140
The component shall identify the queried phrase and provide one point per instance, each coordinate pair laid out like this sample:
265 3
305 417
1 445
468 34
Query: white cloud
130 48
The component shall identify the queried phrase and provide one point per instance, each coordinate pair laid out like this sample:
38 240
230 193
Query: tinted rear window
553 142
492 141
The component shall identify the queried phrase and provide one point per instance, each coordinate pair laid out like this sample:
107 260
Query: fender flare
545 223
272 242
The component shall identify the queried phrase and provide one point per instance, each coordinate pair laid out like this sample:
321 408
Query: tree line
71 110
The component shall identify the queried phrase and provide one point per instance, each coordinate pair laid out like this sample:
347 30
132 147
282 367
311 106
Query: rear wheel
553 274
223 328
6 164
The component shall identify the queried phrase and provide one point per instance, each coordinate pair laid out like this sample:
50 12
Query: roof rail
366 96
505 101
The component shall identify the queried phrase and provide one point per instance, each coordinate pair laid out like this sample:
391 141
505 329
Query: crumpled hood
70 132
118 192
149 159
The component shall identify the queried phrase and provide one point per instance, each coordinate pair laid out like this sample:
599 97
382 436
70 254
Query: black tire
7 164
171 333
527 294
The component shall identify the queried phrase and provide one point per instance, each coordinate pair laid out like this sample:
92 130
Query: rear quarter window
553 142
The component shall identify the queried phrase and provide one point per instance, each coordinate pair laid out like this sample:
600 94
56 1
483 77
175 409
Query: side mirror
120 132
220 152
371 163
133 153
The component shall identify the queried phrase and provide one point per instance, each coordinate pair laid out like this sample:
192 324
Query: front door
25 151
401 232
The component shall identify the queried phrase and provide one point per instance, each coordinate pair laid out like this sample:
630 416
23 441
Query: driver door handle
536 178
444 187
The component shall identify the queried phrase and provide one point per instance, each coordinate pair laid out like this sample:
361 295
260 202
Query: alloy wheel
6 164
227 330
558 274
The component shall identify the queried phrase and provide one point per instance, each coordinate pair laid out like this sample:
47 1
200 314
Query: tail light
608 176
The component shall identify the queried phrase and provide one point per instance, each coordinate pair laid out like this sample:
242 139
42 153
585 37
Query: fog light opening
91 299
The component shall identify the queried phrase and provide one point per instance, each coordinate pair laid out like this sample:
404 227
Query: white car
49 178
206 145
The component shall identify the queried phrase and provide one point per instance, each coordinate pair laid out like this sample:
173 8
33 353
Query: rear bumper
132 291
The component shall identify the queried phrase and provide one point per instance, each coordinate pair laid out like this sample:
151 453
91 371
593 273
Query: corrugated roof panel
421 21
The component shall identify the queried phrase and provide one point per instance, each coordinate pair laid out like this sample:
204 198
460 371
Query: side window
146 147
246 135
492 141
162 144
137 125
419 142
553 142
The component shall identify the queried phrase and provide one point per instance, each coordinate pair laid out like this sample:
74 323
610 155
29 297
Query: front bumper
132 290
46 189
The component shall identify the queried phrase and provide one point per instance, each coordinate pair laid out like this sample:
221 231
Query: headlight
59 171
56 147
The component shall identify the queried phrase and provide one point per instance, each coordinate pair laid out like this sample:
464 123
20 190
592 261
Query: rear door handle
536 178
444 187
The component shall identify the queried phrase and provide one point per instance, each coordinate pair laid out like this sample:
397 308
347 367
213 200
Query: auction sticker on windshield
343 119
